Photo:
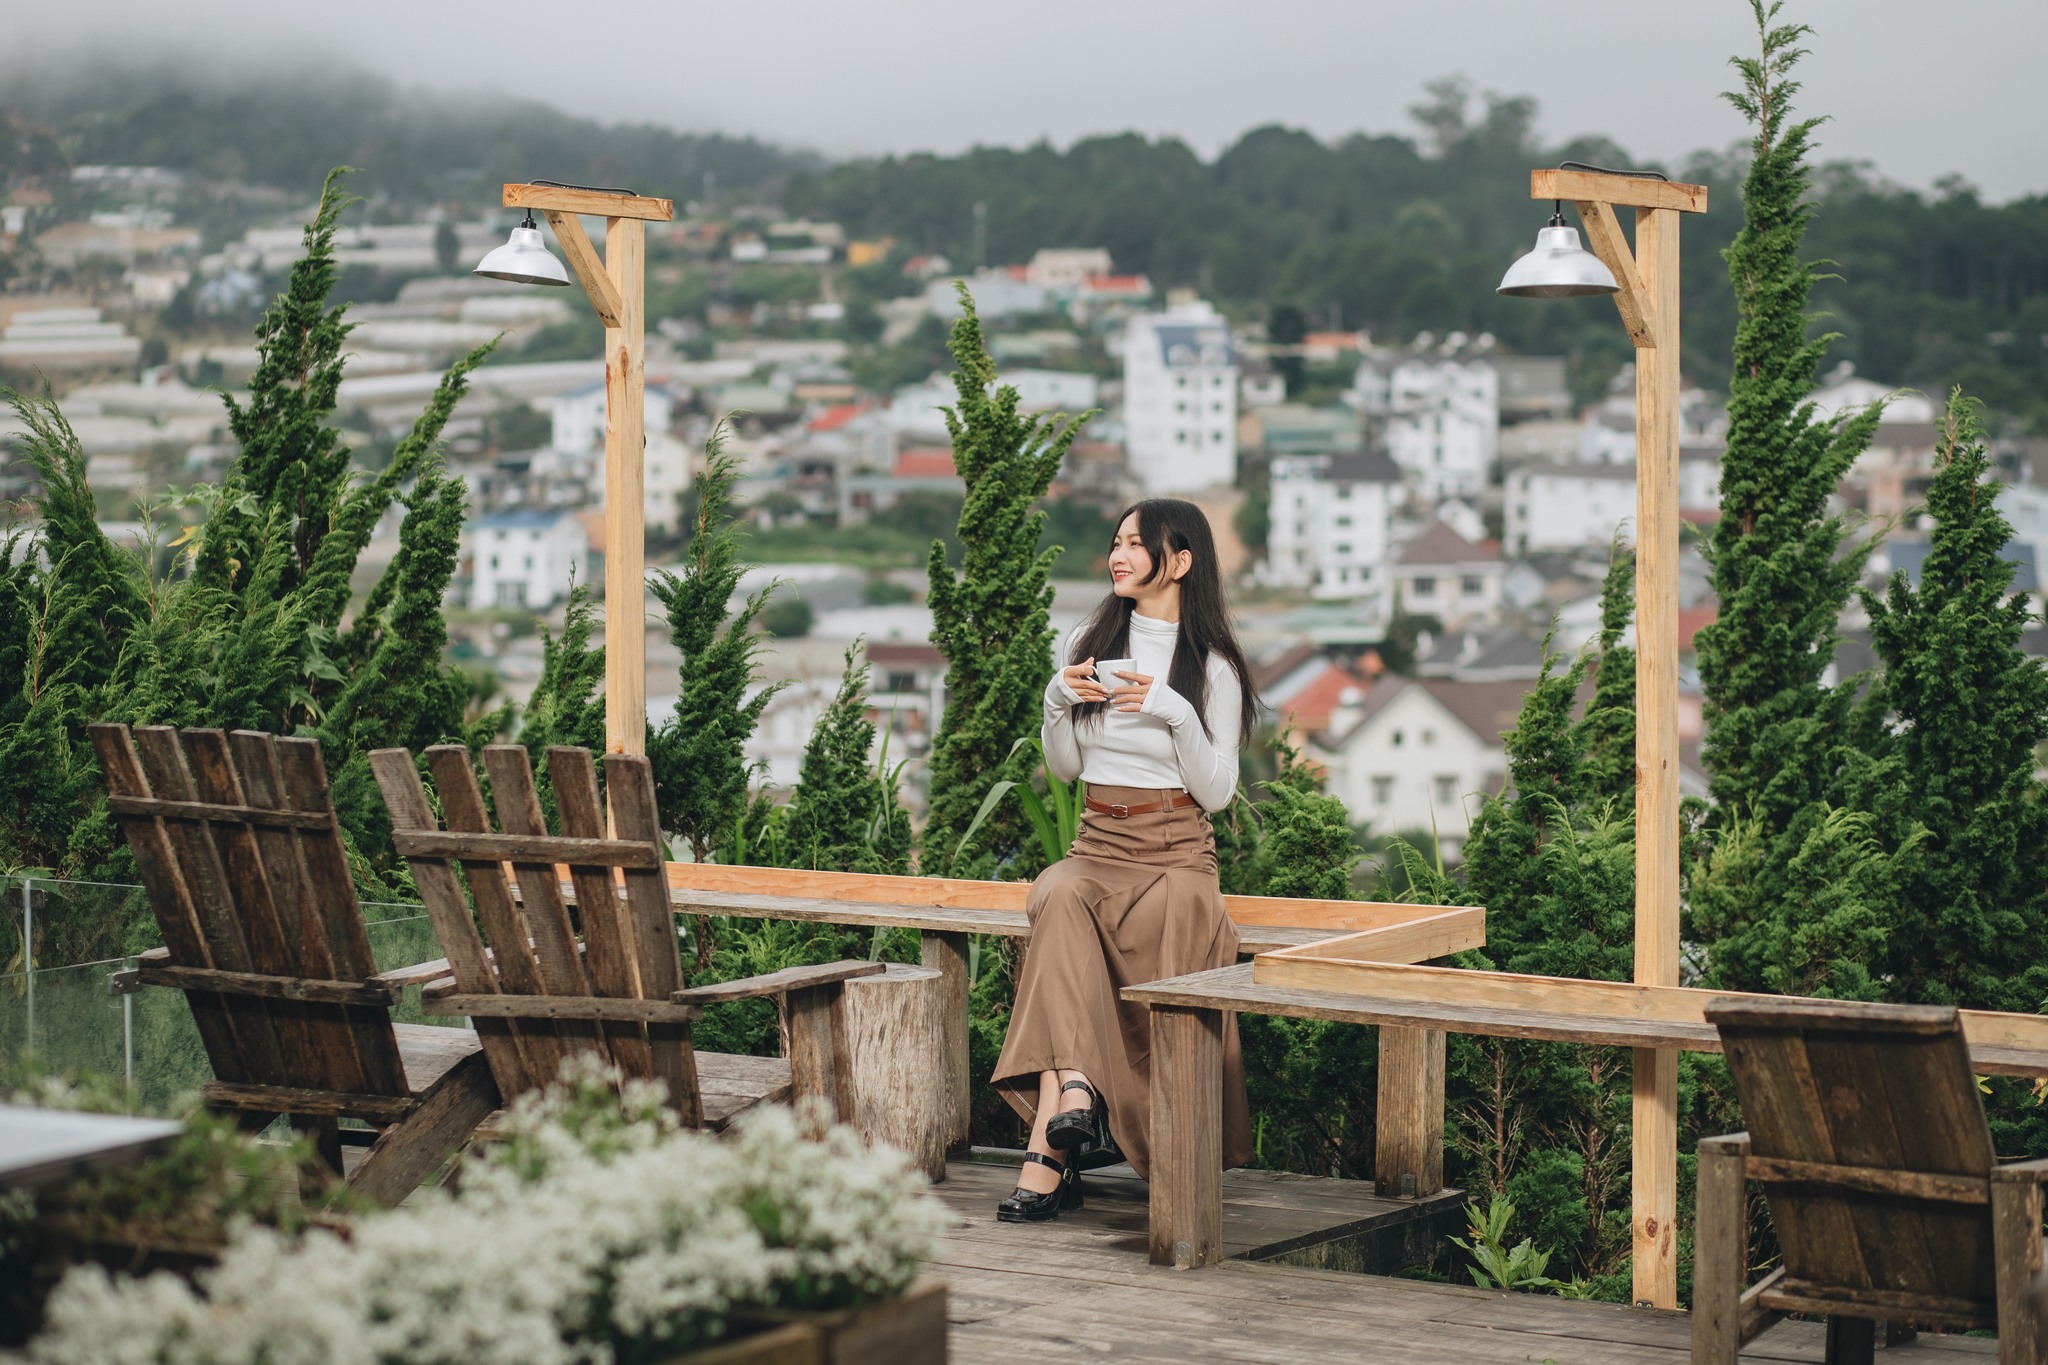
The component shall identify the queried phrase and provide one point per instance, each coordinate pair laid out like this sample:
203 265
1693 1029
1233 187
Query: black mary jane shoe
1078 1127
1027 1206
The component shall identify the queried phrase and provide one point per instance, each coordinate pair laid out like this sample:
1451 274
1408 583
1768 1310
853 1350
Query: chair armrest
417 975
2035 1169
776 983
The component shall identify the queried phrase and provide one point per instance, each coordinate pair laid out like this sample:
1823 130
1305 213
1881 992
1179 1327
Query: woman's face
1130 563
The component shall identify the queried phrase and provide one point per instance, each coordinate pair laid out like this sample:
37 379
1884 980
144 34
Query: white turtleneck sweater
1161 746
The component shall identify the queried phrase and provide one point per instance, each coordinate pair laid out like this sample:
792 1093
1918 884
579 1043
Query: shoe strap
1077 1085
1046 1161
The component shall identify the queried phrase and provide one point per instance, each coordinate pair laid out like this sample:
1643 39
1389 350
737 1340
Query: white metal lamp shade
1558 268
524 259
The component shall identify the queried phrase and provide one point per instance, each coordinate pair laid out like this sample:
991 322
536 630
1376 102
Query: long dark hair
1167 526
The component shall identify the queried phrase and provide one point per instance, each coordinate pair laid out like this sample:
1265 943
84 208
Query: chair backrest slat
1888 1088
398 780
462 809
314 892
252 909
608 956
170 899
199 864
629 944
629 780
235 891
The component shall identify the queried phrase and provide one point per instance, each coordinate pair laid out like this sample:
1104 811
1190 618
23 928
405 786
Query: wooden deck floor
1081 1288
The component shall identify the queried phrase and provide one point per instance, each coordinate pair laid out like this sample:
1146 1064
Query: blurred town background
1415 483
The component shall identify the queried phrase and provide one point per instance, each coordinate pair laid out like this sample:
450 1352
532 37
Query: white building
1052 390
1443 422
1180 400
579 417
1328 524
1063 270
1417 756
1562 507
524 559
1443 574
997 294
577 447
1699 478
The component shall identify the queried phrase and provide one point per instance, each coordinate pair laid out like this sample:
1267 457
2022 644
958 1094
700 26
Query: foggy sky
1920 90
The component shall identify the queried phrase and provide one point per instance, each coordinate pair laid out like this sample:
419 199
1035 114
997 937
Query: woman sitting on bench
1151 709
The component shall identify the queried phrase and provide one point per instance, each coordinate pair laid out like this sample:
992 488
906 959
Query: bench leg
1720 1260
1851 1341
2016 1253
820 1065
947 953
1187 1137
1408 1153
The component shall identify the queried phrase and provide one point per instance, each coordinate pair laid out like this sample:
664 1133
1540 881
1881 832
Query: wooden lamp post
617 288
1645 288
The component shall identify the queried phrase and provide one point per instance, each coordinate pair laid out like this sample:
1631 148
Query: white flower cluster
600 1234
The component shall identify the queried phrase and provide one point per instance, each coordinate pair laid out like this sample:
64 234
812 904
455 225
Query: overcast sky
1921 91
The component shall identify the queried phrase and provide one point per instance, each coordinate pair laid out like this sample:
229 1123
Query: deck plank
1081 1288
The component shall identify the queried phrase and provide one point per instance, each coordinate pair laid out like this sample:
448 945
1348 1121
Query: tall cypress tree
1968 711
251 628
1778 736
990 615
845 815
699 753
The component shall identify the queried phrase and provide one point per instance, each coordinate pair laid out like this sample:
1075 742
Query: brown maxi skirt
1135 900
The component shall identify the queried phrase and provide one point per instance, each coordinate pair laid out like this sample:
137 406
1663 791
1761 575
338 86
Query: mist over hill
286 128
1397 235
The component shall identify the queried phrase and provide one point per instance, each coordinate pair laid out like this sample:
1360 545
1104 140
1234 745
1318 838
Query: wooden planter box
910 1330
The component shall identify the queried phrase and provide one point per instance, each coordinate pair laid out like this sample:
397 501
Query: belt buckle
1119 811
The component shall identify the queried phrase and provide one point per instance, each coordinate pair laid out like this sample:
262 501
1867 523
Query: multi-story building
1439 405
576 452
524 559
1329 520
1562 507
1180 400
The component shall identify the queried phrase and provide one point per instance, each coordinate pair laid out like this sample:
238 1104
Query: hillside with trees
1397 234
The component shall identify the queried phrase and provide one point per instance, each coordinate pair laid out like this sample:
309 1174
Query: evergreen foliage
1779 737
1968 713
567 703
989 616
1307 850
1552 859
845 814
699 753
249 628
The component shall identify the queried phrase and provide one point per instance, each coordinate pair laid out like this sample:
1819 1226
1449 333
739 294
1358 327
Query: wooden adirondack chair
1867 1134
535 994
235 838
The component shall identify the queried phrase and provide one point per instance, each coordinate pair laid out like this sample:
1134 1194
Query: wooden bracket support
584 260
1632 300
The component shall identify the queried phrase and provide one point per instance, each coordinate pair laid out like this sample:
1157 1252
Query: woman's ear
1183 560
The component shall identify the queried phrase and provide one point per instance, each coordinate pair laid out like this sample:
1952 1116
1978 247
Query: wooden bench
945 912
1415 1006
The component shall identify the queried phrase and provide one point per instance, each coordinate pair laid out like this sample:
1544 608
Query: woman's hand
1131 696
1080 680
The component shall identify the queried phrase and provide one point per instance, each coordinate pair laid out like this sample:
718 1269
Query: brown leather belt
1117 810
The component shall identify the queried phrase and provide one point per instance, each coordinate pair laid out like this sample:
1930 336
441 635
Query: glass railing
61 942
